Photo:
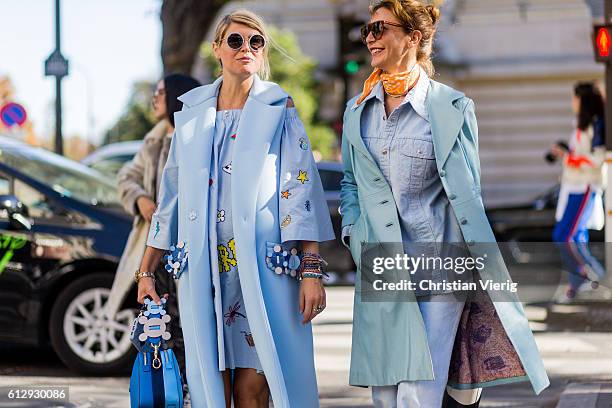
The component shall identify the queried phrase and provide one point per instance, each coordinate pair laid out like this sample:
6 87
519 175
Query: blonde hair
251 20
414 15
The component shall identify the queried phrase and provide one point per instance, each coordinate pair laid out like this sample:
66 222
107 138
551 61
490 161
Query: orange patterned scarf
395 84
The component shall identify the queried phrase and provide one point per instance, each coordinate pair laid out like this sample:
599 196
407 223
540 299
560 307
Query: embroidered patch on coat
220 215
282 259
285 194
307 205
303 144
302 176
228 168
176 259
286 221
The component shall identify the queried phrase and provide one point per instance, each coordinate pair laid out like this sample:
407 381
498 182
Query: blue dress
300 212
239 346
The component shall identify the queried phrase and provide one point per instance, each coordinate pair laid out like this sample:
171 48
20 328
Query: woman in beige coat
138 185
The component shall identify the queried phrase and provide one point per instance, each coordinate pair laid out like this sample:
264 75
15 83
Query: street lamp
56 65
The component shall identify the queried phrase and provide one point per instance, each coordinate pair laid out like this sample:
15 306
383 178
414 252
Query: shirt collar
417 96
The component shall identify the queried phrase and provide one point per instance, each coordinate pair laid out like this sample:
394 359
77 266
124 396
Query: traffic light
352 50
352 67
602 40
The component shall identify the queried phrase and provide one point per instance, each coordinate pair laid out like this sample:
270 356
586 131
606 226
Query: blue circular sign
13 114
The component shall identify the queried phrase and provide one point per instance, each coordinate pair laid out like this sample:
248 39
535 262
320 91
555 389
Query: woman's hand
312 296
146 207
146 287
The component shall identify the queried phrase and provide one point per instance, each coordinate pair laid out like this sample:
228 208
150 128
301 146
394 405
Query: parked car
62 231
110 158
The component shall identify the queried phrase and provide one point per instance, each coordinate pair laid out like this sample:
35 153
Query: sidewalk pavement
579 365
587 395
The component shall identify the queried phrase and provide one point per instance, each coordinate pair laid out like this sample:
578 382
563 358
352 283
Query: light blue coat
389 339
284 345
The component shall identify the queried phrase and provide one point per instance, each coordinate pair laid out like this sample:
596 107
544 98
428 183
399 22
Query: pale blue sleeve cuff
346 235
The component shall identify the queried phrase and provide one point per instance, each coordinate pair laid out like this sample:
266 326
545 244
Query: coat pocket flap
176 259
283 258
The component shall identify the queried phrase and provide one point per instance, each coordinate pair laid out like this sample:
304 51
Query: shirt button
464 221
419 152
452 196
442 173
385 151
193 215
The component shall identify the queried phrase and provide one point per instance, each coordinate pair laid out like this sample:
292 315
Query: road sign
13 114
56 65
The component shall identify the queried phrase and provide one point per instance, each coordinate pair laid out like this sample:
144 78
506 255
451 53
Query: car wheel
83 338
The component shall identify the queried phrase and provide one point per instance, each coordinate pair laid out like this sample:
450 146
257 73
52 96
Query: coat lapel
195 127
260 121
445 119
353 131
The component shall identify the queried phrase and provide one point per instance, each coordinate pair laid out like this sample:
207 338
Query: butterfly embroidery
233 313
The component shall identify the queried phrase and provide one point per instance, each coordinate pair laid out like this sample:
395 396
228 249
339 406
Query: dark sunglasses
377 28
236 40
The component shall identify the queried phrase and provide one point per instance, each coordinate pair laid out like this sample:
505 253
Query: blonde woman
241 189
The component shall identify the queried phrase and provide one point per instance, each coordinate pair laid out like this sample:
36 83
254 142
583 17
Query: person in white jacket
138 185
580 205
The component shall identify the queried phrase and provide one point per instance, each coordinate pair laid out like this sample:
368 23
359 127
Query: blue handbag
156 380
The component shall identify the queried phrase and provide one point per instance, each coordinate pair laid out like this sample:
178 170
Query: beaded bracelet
311 266
311 275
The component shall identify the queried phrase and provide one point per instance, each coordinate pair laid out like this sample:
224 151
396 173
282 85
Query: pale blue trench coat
284 344
389 339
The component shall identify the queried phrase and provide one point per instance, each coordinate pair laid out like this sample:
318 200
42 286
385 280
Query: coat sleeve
593 156
304 214
164 223
470 133
349 200
130 183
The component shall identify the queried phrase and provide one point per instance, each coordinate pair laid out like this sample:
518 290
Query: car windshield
67 177
111 165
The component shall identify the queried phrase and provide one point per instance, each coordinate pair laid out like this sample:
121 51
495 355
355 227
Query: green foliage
294 71
137 118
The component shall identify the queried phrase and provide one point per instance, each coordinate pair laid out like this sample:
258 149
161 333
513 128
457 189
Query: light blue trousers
441 319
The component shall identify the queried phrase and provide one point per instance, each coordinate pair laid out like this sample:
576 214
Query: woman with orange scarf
412 176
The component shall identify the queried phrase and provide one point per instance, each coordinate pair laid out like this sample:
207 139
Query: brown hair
251 20
414 15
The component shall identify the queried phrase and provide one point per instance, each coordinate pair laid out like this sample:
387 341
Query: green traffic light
351 67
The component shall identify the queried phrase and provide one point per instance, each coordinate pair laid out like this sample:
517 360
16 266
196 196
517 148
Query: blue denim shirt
402 146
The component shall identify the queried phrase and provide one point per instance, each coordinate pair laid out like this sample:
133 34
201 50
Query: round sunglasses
236 40
377 28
